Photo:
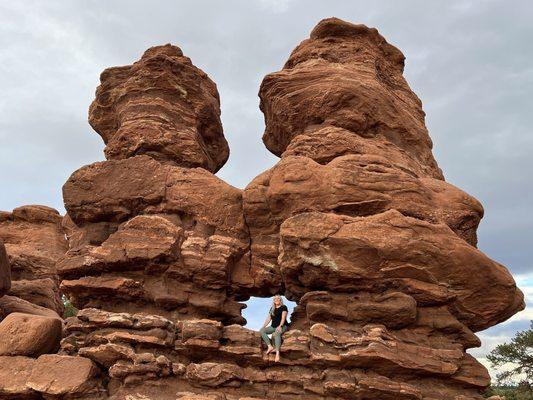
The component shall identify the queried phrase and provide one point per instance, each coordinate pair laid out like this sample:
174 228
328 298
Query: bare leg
277 341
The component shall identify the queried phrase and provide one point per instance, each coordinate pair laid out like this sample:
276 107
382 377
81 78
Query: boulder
341 253
14 373
41 292
353 185
214 374
57 375
117 190
34 241
29 335
12 304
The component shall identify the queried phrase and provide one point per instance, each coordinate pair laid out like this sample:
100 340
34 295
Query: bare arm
267 320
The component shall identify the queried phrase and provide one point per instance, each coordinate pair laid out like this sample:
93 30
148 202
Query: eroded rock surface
355 223
34 241
29 335
346 76
162 106
153 237
5 270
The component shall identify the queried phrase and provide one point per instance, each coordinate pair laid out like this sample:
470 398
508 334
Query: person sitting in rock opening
278 315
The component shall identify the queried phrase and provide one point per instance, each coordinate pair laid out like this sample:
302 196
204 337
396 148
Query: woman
278 316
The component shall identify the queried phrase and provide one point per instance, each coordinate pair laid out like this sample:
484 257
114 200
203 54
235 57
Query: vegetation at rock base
515 382
517 392
70 310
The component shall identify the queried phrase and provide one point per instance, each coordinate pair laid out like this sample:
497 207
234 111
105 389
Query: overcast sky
470 62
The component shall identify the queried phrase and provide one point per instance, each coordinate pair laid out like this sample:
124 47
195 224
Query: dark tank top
276 318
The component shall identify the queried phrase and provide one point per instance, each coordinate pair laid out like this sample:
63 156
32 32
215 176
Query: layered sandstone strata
30 334
149 233
355 223
162 106
34 242
153 238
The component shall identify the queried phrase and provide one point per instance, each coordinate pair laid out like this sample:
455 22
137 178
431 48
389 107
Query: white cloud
276 6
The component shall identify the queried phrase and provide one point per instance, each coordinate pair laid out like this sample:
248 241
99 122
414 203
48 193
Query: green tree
515 361
517 355
516 392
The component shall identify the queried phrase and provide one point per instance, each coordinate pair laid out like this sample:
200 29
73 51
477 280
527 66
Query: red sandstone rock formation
29 331
29 335
34 241
162 106
153 238
5 270
355 223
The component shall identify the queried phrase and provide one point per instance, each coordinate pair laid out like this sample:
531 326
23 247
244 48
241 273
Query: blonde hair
271 312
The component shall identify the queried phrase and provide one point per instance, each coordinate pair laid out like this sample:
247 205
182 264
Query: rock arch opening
257 309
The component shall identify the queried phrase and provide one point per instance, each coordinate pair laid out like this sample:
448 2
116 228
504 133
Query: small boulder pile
31 324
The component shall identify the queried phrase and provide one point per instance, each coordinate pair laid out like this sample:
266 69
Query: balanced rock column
357 225
148 231
154 236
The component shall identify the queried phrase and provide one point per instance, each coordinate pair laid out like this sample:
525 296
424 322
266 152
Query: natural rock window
257 309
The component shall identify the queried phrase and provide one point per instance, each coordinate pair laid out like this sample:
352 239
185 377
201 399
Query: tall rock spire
356 224
151 229
344 88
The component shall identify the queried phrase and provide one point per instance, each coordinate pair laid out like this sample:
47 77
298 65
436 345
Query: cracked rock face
355 223
5 270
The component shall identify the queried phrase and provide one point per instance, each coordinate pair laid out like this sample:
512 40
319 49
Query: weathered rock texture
34 241
29 335
355 223
153 238
30 324
162 106
5 270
